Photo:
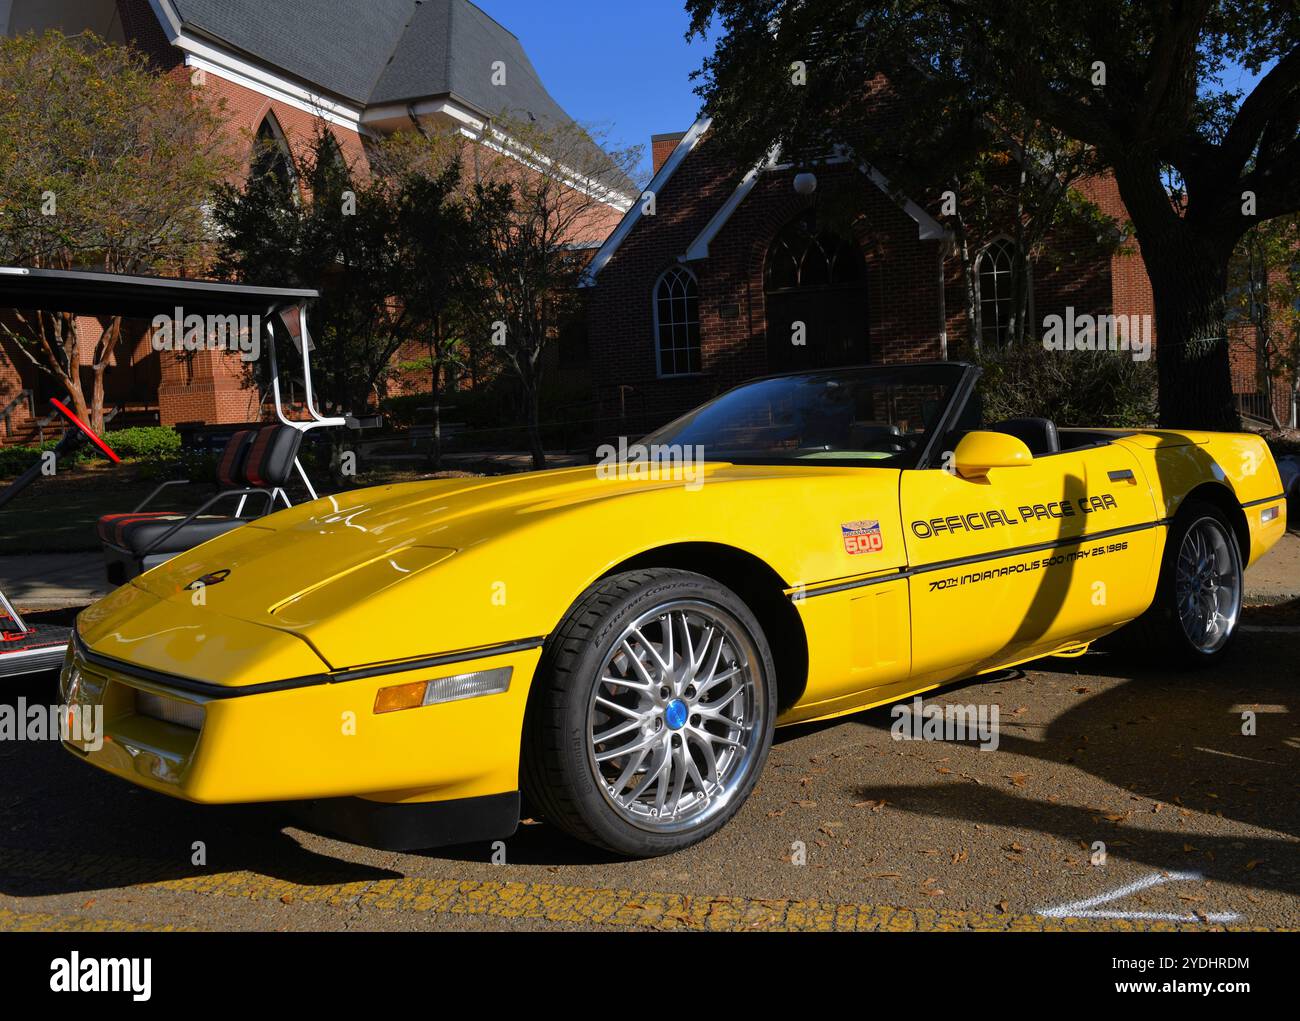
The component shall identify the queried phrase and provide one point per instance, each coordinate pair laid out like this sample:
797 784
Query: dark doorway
817 278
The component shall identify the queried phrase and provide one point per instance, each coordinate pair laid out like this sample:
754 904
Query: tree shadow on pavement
1171 738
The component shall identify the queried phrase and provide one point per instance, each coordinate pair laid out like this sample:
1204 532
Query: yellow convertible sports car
618 641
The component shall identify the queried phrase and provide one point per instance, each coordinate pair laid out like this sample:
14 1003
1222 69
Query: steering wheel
85 431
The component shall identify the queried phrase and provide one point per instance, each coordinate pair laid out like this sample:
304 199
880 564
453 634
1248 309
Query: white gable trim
212 59
699 248
927 227
684 148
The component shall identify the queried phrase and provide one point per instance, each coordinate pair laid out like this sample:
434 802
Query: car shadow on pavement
67 828
1174 741
534 843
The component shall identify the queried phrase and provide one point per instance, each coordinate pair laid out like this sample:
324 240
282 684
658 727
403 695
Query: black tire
559 774
1160 630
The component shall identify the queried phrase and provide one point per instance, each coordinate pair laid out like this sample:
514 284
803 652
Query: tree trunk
532 408
967 276
67 325
1188 270
97 399
435 390
435 442
1189 281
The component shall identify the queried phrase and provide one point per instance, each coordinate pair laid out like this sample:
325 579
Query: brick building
364 69
709 287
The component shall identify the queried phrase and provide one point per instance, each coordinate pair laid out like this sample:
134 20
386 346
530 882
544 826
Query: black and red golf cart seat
254 462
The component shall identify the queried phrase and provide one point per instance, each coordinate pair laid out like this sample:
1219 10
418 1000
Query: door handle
1123 475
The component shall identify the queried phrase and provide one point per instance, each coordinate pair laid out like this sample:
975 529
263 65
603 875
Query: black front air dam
411 827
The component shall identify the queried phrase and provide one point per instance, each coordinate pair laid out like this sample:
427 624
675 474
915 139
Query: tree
441 251
1028 186
1264 298
1140 83
331 228
542 213
103 164
393 248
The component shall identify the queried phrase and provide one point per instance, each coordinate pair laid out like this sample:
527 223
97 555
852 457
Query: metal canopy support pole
12 614
305 481
317 419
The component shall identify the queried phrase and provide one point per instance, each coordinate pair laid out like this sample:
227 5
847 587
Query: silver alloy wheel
1208 585
676 717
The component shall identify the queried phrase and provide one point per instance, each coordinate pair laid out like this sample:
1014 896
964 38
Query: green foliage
16 460
149 443
405 411
919 89
145 441
1072 388
104 163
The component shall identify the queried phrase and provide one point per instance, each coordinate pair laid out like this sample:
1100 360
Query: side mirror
978 452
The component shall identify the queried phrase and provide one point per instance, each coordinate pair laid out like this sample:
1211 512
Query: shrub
16 460
145 441
405 411
1072 388
138 443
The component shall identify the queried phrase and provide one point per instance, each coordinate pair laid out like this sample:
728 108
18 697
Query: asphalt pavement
1119 797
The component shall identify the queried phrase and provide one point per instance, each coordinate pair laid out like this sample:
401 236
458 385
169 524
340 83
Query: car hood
410 570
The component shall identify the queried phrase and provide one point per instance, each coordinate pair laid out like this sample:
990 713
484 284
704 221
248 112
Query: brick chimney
662 146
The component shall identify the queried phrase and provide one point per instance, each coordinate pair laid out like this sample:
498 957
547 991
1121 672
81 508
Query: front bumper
318 741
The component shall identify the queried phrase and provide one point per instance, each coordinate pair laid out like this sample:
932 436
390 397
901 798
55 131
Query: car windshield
877 415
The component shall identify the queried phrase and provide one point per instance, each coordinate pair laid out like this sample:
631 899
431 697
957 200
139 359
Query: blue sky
624 67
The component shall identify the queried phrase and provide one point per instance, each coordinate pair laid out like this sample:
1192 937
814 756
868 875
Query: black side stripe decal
220 691
975 558
1267 499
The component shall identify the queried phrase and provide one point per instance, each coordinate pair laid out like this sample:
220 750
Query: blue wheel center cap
675 714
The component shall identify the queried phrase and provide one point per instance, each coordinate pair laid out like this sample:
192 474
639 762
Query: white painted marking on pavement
1083 908
1230 755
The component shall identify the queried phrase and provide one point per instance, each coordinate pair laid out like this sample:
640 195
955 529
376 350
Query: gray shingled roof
371 52
340 46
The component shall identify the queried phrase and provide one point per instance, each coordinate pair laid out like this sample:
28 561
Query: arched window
996 271
815 290
677 322
271 157
799 259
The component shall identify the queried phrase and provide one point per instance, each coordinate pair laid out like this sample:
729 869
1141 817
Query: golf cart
29 648
257 462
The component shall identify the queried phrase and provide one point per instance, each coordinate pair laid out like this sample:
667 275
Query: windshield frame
946 420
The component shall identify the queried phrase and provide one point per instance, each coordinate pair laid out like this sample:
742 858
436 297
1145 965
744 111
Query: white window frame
659 351
979 285
283 144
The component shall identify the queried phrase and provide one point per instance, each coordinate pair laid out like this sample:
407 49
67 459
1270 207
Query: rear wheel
1198 600
652 713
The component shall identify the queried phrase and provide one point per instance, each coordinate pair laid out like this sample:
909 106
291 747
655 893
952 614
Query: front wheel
652 713
1198 599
